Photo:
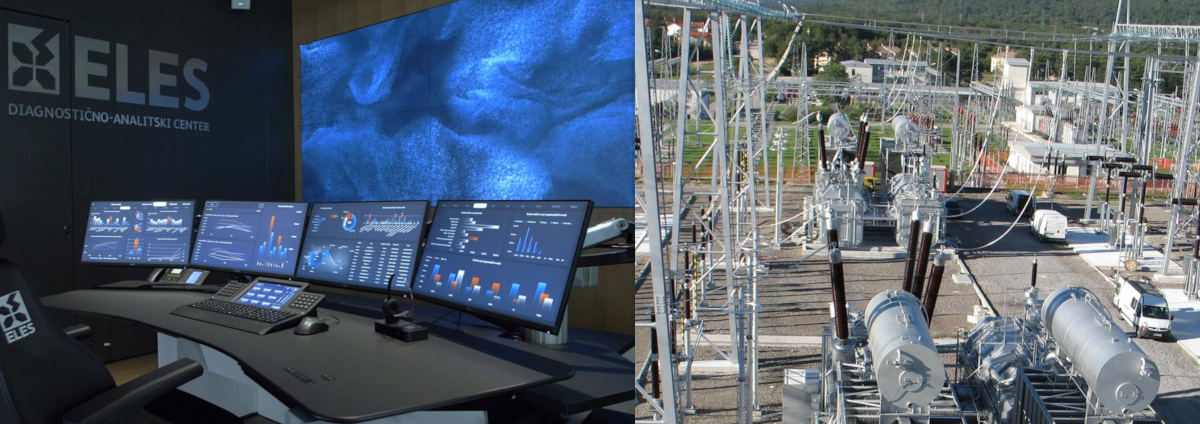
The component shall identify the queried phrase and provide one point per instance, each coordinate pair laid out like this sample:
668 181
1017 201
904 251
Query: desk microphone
391 326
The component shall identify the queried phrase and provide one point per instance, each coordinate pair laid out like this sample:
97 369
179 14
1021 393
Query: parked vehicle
953 209
1015 202
872 184
1144 307
1049 225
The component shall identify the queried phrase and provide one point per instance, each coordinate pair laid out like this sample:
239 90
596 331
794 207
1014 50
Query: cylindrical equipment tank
1115 368
840 130
905 131
907 366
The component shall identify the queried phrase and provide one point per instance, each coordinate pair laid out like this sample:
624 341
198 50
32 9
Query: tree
856 109
833 72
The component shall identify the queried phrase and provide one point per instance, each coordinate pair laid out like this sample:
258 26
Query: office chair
47 376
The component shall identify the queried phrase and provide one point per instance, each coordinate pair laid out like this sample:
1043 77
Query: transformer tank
1116 370
909 372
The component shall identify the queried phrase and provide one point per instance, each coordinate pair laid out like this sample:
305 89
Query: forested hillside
1055 15
1083 17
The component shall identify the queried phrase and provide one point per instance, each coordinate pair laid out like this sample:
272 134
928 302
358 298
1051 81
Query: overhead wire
983 147
1015 220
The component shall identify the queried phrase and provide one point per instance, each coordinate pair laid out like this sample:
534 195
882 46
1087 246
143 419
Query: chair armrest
79 332
123 402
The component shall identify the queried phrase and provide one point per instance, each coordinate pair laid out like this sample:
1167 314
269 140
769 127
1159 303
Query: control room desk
369 376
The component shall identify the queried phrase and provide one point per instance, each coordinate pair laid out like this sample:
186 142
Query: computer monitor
139 233
260 238
360 245
509 260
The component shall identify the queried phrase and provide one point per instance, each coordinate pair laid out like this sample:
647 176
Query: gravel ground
714 397
794 297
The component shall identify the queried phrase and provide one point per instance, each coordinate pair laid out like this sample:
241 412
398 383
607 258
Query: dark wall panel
246 154
36 176
53 167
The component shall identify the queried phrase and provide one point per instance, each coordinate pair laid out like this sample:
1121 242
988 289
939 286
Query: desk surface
601 374
373 376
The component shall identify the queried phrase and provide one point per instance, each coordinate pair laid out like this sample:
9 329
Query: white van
1016 200
1049 225
1144 307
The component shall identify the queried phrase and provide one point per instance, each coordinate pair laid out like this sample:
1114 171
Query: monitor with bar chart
510 260
139 233
360 245
260 238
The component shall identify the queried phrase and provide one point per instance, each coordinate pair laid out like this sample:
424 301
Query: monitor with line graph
155 233
360 245
513 261
259 238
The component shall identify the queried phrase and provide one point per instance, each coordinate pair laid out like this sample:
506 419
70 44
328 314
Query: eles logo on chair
32 60
14 318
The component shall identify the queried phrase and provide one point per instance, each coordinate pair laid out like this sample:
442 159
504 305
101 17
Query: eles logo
33 66
32 60
14 317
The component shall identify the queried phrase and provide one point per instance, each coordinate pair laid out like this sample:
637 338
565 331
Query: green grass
697 145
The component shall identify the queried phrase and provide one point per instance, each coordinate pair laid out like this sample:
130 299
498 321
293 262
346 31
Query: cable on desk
444 315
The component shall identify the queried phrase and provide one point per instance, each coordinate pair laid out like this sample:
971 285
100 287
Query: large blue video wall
476 99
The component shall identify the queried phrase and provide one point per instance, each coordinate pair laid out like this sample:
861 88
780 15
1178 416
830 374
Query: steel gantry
707 139
705 263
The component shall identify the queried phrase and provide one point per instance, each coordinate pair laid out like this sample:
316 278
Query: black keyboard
269 316
222 310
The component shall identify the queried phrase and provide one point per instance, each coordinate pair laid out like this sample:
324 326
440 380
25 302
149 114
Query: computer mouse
311 325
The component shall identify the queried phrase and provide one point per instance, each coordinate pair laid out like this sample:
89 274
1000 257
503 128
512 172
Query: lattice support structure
1147 32
707 140
660 365
1183 176
706 210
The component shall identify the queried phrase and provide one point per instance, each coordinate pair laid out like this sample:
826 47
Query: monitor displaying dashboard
261 238
511 260
361 245
155 233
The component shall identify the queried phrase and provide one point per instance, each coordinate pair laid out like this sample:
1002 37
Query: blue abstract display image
477 99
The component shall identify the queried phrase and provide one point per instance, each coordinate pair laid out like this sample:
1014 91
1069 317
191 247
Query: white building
1016 73
998 60
1040 97
1070 134
858 70
822 59
1027 116
895 71
888 52
1027 157
673 29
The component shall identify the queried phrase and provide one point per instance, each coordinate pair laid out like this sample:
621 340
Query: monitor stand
239 277
514 333
542 337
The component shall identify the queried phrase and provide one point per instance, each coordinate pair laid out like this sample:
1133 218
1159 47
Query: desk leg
223 383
